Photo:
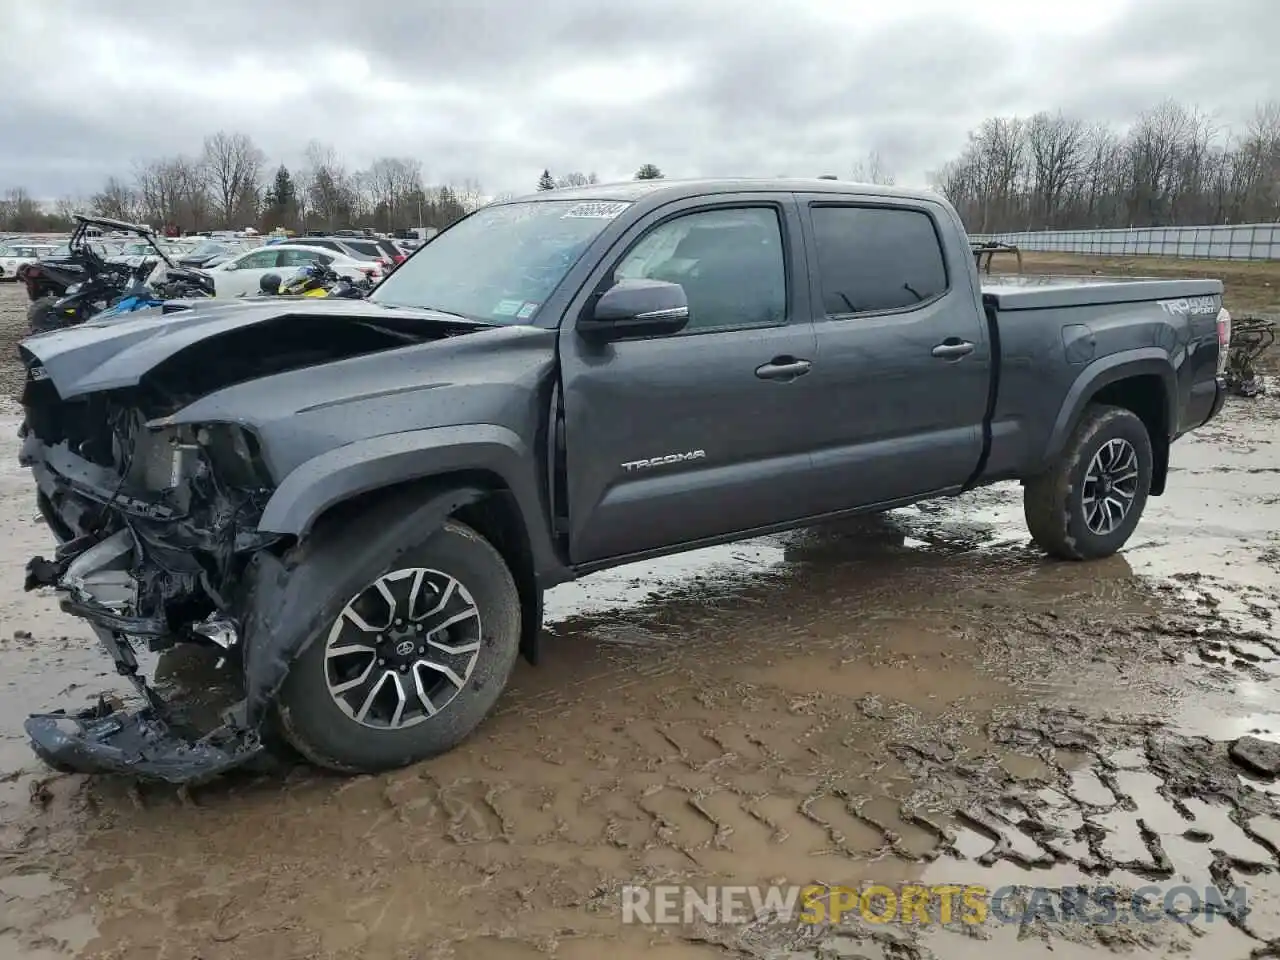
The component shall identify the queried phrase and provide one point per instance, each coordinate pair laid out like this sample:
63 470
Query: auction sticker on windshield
526 311
595 210
507 308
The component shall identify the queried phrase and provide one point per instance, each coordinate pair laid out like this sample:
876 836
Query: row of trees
577 179
1175 165
228 186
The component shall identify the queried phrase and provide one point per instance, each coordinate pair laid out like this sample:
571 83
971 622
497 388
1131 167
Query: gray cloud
499 89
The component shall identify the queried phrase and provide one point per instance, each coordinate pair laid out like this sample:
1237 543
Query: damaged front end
156 526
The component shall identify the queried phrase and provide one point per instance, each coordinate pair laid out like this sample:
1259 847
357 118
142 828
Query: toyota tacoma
362 502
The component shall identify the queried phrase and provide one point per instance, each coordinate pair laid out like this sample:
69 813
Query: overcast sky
499 89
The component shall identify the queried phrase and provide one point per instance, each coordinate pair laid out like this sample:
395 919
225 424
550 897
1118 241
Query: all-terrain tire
1053 502
313 723
40 315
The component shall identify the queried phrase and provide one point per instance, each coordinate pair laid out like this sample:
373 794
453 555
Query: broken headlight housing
173 456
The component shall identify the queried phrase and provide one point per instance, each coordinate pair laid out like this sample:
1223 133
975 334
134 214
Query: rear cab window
873 259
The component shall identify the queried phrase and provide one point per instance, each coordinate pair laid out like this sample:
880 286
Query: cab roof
665 191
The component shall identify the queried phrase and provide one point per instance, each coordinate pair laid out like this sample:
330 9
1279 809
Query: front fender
1144 361
394 458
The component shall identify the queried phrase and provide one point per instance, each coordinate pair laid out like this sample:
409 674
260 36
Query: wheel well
1144 395
496 517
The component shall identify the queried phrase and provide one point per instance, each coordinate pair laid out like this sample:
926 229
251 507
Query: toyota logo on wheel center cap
404 648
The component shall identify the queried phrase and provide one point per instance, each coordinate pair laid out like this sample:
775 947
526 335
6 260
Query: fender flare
1144 361
393 458
288 602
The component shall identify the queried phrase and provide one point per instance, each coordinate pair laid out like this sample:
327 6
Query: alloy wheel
1110 486
402 648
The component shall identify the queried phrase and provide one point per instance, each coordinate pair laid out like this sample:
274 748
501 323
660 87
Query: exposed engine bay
157 533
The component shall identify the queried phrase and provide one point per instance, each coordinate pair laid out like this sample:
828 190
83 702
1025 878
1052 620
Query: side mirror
269 284
229 265
636 308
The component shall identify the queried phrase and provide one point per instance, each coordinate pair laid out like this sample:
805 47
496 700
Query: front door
680 438
243 280
904 363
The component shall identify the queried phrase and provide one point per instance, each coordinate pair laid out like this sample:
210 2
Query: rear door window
364 248
300 258
873 259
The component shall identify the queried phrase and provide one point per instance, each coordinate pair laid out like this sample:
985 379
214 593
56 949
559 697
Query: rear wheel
1087 505
412 664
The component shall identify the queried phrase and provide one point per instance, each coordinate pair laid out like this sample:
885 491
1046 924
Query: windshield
207 248
499 264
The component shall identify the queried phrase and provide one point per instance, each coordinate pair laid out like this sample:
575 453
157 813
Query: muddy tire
40 315
1088 503
443 632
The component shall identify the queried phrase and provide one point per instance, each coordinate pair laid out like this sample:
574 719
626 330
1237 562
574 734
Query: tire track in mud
667 786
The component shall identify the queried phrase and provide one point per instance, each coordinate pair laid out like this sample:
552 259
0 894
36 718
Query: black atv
68 290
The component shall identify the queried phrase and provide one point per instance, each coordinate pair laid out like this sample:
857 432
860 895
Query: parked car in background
136 253
362 248
208 253
14 255
241 274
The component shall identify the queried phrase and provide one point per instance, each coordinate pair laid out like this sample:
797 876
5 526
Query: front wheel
1088 503
412 664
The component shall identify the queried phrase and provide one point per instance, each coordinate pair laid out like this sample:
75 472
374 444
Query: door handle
952 348
783 369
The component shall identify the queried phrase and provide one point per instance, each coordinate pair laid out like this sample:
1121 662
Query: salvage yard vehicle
14 255
241 275
364 500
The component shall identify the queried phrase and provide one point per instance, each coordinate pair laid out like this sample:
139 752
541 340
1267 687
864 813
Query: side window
327 244
258 260
730 263
876 258
300 258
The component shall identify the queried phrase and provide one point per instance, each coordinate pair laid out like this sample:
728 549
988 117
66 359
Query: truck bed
1033 292
1054 333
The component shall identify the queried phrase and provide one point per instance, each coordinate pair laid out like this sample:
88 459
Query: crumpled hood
116 352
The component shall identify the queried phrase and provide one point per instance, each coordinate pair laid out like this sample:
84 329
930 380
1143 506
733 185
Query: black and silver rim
402 648
1110 486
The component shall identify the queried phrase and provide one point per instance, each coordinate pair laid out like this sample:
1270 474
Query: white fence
1242 241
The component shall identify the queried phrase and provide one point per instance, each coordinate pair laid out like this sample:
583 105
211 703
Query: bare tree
117 200
18 211
576 179
872 169
233 167
331 192
1056 152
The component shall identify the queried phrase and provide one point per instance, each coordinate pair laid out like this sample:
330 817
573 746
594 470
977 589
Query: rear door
903 366
678 438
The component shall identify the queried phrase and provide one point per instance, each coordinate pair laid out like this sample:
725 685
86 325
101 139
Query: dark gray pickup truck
364 501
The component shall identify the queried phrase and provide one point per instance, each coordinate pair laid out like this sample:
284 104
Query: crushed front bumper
105 739
143 743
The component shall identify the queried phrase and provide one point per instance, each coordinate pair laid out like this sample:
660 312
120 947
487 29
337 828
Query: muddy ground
916 697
